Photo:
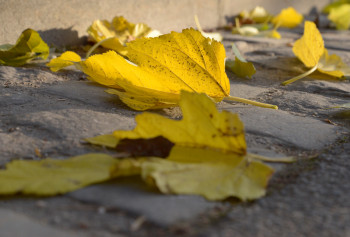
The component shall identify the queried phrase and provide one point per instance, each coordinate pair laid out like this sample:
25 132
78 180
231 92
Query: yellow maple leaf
288 17
340 16
210 173
115 34
159 68
310 50
202 125
209 157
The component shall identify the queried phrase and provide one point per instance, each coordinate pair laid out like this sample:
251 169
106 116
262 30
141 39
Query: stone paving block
290 130
17 225
133 196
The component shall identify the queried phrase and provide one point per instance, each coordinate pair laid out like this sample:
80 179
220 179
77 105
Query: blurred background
64 22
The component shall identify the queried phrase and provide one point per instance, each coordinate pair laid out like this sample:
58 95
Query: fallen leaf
240 66
310 50
340 16
202 126
28 47
210 173
51 177
159 68
66 59
118 32
288 17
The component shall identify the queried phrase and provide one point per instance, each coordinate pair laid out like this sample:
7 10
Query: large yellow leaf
118 32
311 51
50 176
202 126
288 17
212 174
159 68
310 46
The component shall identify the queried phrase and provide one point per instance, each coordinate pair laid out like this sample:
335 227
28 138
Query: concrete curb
64 22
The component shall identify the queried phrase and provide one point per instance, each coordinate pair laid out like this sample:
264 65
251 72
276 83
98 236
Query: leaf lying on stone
51 177
288 17
28 47
310 50
240 66
209 157
115 34
159 68
210 173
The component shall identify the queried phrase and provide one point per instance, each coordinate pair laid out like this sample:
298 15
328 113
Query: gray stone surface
17 225
136 198
289 130
45 114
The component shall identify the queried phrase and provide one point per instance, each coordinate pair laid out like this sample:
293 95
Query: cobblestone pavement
52 112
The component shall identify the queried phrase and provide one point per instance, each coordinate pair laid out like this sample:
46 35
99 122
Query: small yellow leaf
310 47
240 66
66 59
333 65
212 174
202 126
288 17
50 176
28 47
340 16
311 51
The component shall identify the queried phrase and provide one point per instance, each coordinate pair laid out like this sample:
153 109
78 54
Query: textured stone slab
133 196
290 130
17 225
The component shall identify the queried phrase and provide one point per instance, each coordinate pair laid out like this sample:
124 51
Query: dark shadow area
62 37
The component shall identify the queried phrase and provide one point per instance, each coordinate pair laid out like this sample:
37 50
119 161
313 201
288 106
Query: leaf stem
197 23
288 159
96 45
252 102
305 74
